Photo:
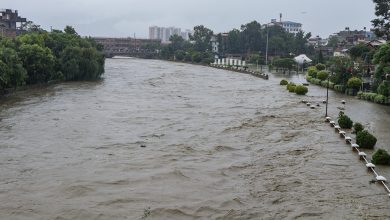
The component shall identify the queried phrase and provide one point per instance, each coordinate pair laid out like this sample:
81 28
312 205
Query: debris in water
143 146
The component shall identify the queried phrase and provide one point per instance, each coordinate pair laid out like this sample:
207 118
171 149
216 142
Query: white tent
301 59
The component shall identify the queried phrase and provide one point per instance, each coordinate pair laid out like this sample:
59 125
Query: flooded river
160 140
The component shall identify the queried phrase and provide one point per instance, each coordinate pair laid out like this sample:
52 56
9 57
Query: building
11 24
125 46
288 26
165 33
317 42
348 38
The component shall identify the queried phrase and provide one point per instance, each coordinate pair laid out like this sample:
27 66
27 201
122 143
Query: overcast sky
125 17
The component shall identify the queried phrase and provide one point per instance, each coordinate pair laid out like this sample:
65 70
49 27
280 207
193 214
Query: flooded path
216 145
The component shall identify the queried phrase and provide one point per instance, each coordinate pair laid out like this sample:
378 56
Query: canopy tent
302 59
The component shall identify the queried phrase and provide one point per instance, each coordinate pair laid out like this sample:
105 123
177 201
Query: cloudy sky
125 17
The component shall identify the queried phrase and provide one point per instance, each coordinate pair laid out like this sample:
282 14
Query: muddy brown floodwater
216 145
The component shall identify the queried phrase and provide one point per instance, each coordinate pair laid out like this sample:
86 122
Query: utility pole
266 49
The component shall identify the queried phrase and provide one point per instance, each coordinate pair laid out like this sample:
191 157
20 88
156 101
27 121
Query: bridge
132 47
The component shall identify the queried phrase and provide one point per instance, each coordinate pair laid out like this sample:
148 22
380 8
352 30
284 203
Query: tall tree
382 23
202 37
251 37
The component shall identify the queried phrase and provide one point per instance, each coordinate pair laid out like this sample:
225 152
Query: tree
202 37
251 36
382 59
333 42
234 41
12 73
38 61
70 30
359 51
177 42
382 23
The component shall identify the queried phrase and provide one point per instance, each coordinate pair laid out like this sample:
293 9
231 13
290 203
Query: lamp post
266 49
327 98
327 91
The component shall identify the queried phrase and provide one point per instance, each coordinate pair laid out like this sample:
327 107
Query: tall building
165 33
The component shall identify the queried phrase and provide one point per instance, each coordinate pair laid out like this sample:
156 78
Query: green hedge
283 82
374 97
322 75
301 90
381 157
357 127
345 122
366 140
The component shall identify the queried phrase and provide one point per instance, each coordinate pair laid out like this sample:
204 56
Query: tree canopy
382 22
40 56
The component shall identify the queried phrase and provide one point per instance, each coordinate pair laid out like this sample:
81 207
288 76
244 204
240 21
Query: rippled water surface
215 145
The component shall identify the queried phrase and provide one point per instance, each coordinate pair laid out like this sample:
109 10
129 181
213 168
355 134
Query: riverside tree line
248 41
39 57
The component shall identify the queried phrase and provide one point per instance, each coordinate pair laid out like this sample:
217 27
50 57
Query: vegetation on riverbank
38 57
249 42
293 88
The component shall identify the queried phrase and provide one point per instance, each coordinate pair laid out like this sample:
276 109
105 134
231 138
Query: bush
290 85
384 88
381 157
357 127
312 71
320 67
345 122
322 75
301 90
380 99
308 78
291 88
196 57
316 81
283 82
180 54
354 83
365 140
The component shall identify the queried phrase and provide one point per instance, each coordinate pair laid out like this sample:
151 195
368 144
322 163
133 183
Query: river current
162 140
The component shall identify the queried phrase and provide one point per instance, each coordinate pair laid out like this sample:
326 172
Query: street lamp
327 91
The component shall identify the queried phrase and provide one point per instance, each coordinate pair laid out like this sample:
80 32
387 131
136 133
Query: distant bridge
132 47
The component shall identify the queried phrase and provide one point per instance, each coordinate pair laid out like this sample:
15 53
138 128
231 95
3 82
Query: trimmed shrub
381 157
312 71
360 94
290 85
354 83
322 75
283 82
301 90
308 78
320 67
357 127
291 88
380 99
345 122
316 81
366 140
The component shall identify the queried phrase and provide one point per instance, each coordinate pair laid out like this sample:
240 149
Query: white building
165 33
288 26
291 27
